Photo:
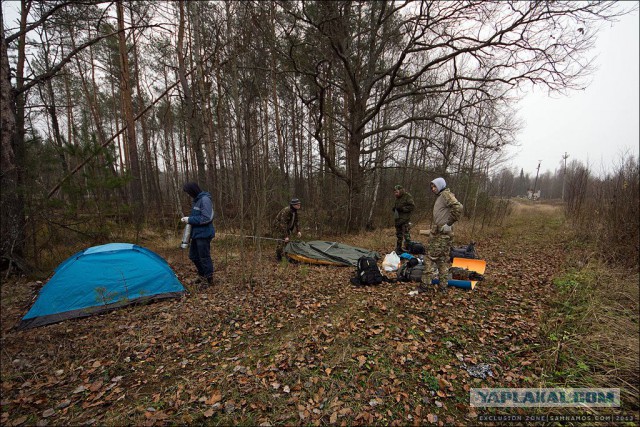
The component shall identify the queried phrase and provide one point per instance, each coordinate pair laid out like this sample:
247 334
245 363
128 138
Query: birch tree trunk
13 149
11 214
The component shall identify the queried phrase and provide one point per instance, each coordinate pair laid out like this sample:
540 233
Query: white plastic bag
391 262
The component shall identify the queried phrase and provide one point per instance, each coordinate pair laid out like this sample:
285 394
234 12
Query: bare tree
127 104
12 219
431 50
13 131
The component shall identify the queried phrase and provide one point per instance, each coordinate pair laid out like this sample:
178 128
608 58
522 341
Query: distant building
533 196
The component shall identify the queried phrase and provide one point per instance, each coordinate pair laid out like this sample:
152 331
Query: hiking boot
198 281
421 289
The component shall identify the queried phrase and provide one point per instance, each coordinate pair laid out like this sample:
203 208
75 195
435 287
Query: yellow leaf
361 360
216 397
443 384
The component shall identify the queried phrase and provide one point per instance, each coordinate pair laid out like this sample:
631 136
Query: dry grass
596 330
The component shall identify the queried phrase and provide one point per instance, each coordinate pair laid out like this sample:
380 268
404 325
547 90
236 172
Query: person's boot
199 281
423 288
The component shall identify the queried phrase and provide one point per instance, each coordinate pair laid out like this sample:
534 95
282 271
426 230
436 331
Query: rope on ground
250 237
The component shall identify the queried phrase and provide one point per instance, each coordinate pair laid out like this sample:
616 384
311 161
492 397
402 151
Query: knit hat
192 189
440 184
398 187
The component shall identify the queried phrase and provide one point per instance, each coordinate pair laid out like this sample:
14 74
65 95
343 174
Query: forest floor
280 344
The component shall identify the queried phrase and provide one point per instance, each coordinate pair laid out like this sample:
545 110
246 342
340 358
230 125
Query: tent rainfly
100 279
326 253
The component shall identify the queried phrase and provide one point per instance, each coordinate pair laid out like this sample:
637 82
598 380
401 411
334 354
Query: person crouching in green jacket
287 223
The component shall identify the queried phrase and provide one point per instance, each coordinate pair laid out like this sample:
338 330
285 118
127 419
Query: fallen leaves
215 397
299 346
361 360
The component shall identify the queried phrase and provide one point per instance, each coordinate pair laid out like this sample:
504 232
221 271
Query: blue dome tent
100 279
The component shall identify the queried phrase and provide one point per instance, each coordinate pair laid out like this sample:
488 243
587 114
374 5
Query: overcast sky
595 126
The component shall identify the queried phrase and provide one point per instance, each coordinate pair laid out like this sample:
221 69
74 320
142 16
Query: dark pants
200 254
280 249
402 233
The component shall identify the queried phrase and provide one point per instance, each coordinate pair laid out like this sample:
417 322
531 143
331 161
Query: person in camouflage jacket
447 210
286 223
402 209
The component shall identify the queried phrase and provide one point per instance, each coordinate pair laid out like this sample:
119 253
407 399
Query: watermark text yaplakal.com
544 397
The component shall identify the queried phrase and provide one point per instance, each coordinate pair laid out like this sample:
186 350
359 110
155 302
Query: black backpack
416 248
411 271
468 252
367 272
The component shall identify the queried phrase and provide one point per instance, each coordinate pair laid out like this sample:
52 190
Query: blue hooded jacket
201 218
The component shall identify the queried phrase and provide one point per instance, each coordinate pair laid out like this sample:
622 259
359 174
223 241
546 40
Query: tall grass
593 330
605 211
594 341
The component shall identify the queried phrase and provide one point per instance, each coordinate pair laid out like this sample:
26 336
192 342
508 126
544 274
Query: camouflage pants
402 233
280 249
438 251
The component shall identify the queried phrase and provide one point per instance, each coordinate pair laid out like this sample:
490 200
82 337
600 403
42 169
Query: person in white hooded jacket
447 210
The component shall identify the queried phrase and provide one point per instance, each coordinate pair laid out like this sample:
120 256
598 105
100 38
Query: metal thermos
186 236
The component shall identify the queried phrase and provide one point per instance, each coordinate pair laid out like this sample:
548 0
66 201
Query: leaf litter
297 344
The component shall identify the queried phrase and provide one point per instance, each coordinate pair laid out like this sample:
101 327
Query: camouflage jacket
403 207
286 221
446 210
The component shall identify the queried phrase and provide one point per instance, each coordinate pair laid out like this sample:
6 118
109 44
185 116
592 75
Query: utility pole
564 175
536 181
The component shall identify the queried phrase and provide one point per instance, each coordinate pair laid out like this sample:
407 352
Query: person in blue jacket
202 230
